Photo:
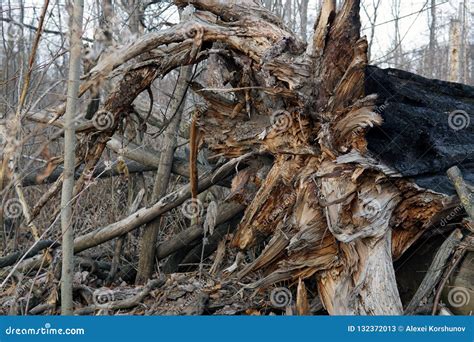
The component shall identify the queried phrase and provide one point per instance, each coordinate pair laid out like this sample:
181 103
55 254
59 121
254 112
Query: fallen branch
145 215
463 191
128 302
435 271
121 240
457 257
134 221
39 246
147 156
198 253
186 237
99 172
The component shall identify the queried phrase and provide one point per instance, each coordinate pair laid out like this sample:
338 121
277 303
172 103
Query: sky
414 21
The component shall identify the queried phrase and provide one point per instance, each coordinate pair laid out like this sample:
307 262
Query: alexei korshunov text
434 328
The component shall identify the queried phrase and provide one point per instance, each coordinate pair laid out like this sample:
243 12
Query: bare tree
69 158
303 9
397 39
433 42
146 259
372 20
455 51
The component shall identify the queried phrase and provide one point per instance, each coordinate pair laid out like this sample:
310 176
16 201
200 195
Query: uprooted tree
341 164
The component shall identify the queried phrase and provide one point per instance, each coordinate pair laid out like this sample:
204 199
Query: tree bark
435 271
146 260
145 215
455 51
69 160
352 152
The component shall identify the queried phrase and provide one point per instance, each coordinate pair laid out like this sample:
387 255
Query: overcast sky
413 23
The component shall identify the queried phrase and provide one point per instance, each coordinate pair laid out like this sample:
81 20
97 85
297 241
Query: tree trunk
304 19
358 154
69 160
148 240
430 70
455 51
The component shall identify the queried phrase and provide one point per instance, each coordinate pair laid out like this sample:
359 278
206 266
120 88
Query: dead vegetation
303 207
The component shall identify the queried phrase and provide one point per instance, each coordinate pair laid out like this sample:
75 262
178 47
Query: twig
463 190
434 273
457 257
34 281
21 102
14 257
34 28
145 215
126 303
119 244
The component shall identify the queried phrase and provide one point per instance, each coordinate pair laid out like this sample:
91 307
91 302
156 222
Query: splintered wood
327 210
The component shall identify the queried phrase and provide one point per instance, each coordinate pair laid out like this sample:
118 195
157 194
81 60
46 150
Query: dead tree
358 154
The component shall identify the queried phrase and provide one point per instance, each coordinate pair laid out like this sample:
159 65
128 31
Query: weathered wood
126 303
302 304
100 171
186 237
329 99
458 255
145 215
464 193
435 271
146 259
341 201
10 259
458 295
